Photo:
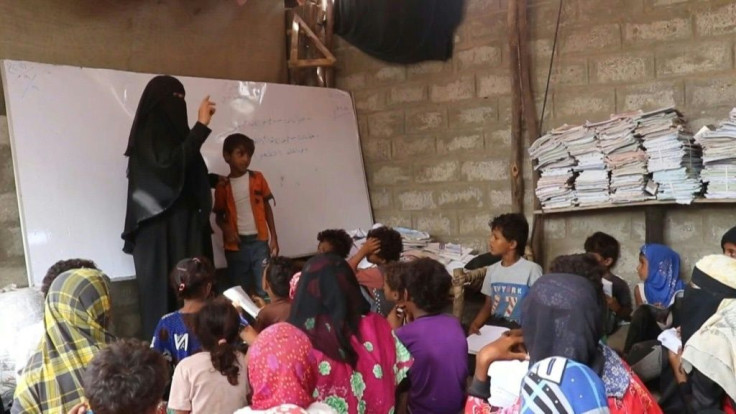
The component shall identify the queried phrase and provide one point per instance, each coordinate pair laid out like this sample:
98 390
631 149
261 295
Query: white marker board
69 127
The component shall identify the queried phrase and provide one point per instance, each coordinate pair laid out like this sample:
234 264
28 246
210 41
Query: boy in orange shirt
244 215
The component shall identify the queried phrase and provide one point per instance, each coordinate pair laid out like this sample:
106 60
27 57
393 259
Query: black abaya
169 198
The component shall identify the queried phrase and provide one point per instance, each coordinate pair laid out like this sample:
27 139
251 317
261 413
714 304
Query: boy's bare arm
483 314
273 243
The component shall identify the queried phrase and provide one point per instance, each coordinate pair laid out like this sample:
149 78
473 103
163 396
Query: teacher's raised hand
206 110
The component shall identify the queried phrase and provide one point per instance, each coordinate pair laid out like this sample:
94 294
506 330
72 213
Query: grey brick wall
436 135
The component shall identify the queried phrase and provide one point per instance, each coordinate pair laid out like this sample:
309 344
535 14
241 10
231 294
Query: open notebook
238 296
488 334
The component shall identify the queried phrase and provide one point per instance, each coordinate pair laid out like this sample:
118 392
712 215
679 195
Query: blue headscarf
663 274
562 385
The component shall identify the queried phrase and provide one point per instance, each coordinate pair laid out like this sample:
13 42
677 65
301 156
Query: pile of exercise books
674 159
555 165
719 158
591 181
625 158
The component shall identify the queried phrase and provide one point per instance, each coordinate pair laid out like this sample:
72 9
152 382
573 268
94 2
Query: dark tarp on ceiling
400 31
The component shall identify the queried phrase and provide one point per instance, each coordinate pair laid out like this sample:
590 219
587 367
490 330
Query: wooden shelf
650 203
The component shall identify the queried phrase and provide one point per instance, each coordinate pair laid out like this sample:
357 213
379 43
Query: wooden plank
315 40
654 224
329 34
529 115
515 175
310 63
609 206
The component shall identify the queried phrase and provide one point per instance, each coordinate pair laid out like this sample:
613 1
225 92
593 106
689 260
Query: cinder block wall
436 135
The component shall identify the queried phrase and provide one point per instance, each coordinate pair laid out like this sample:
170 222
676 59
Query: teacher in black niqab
169 198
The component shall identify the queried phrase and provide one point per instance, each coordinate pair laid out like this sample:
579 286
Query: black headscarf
561 316
728 237
328 306
703 295
159 165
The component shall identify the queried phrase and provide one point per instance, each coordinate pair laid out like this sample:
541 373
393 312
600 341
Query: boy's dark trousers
245 266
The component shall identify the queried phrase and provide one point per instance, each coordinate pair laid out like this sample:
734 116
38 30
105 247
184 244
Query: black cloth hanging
164 162
169 198
400 31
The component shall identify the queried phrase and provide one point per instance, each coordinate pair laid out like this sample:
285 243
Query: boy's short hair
580 264
605 245
235 141
428 284
513 227
339 239
391 244
63 266
279 272
126 377
395 276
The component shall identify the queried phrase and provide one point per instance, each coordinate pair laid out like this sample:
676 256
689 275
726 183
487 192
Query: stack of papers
674 157
625 159
413 239
719 158
555 165
591 184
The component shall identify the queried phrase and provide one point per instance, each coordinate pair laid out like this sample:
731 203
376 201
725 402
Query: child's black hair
235 141
279 272
63 266
428 284
190 276
513 227
605 245
584 265
395 274
339 239
391 244
217 329
125 377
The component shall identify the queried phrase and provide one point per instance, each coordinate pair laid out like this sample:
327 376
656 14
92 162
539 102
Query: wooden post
329 33
654 224
517 182
529 111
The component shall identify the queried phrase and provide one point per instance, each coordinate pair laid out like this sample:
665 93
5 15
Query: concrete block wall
436 135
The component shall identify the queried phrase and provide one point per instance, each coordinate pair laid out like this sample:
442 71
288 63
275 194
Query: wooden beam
329 35
654 224
529 112
515 174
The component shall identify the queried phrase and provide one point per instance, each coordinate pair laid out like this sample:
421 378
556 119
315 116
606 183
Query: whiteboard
69 127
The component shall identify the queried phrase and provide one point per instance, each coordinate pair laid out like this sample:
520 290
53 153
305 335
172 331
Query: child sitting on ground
438 377
336 241
382 246
507 282
276 279
606 250
192 280
126 377
215 380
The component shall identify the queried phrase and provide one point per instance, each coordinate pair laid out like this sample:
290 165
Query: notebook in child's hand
488 334
670 339
607 288
506 378
238 296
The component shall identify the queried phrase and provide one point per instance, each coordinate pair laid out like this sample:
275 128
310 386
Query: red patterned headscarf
281 369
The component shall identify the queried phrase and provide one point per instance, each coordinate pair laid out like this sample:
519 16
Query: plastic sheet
21 328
